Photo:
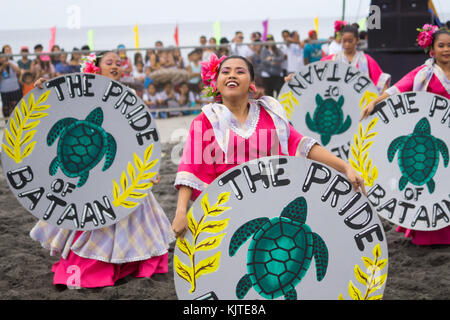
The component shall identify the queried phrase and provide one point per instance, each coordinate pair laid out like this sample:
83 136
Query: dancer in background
433 76
136 245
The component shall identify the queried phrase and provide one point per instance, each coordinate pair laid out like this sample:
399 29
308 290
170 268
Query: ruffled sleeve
379 78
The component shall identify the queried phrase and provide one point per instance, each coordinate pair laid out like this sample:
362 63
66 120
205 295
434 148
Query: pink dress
217 142
366 64
431 78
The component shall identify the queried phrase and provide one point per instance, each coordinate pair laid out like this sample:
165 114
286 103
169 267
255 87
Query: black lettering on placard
103 210
405 206
320 72
296 83
333 77
33 195
88 215
365 208
439 213
87 84
446 116
252 178
335 191
410 100
126 100
68 189
421 215
311 176
72 85
396 105
368 235
349 75
389 206
332 91
20 174
114 89
275 172
70 213
150 133
56 83
379 110
439 103
229 178
54 201
375 194
135 111
349 204
361 84
307 76
57 185
138 125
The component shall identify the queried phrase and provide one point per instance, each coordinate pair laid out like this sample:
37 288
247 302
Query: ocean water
108 37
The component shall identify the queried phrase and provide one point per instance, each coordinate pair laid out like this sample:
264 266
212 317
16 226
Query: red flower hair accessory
425 37
209 75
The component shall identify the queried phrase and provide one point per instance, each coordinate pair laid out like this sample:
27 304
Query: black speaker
399 20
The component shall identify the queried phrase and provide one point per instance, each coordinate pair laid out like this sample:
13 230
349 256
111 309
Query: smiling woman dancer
136 245
433 76
236 123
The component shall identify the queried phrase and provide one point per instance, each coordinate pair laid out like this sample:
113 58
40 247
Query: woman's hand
180 224
288 77
355 179
156 181
368 109
39 83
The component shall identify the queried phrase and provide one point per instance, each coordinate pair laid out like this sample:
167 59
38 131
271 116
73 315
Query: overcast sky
26 14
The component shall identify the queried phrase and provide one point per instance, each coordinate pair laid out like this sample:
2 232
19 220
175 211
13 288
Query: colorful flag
136 37
217 31
362 24
52 38
265 24
90 36
316 25
433 12
175 36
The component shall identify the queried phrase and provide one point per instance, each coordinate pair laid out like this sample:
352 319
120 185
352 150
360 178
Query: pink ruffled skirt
426 238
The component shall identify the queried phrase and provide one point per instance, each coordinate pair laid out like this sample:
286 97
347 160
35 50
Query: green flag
217 31
362 24
90 36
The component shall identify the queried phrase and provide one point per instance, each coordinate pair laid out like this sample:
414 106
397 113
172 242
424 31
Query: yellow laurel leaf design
366 98
372 281
360 152
18 136
288 100
184 271
136 180
209 264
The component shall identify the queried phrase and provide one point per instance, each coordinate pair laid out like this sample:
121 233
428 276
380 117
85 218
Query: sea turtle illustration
418 156
328 118
81 146
279 253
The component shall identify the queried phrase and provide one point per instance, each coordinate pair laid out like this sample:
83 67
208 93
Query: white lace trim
249 127
190 180
305 146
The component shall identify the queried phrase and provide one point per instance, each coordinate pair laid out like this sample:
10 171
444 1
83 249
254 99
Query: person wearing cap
127 65
313 49
43 68
24 63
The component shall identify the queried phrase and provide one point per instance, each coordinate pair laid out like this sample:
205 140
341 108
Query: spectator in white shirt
237 48
294 52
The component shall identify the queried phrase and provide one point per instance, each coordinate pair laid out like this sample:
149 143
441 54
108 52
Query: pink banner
265 24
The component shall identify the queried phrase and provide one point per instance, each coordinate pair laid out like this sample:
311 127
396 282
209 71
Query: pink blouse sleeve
379 78
328 57
298 144
195 170
404 84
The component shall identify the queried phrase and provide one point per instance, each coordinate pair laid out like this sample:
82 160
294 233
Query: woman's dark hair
438 33
248 63
351 29
100 55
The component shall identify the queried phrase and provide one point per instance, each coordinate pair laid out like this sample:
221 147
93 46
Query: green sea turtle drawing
418 156
81 146
279 253
328 118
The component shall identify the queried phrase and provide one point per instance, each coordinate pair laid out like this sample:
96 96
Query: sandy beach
414 272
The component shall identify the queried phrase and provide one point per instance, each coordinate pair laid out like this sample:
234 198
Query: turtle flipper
394 146
310 123
244 233
243 286
402 183
57 128
423 127
442 147
96 116
431 185
291 295
83 178
111 148
320 253
325 138
296 210
54 165
344 126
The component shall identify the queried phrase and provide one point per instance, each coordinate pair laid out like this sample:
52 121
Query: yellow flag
136 36
316 25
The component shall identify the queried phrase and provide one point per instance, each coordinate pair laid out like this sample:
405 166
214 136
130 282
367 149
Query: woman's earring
253 90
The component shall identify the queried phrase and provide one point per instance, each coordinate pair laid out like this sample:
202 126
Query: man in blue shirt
62 67
312 51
